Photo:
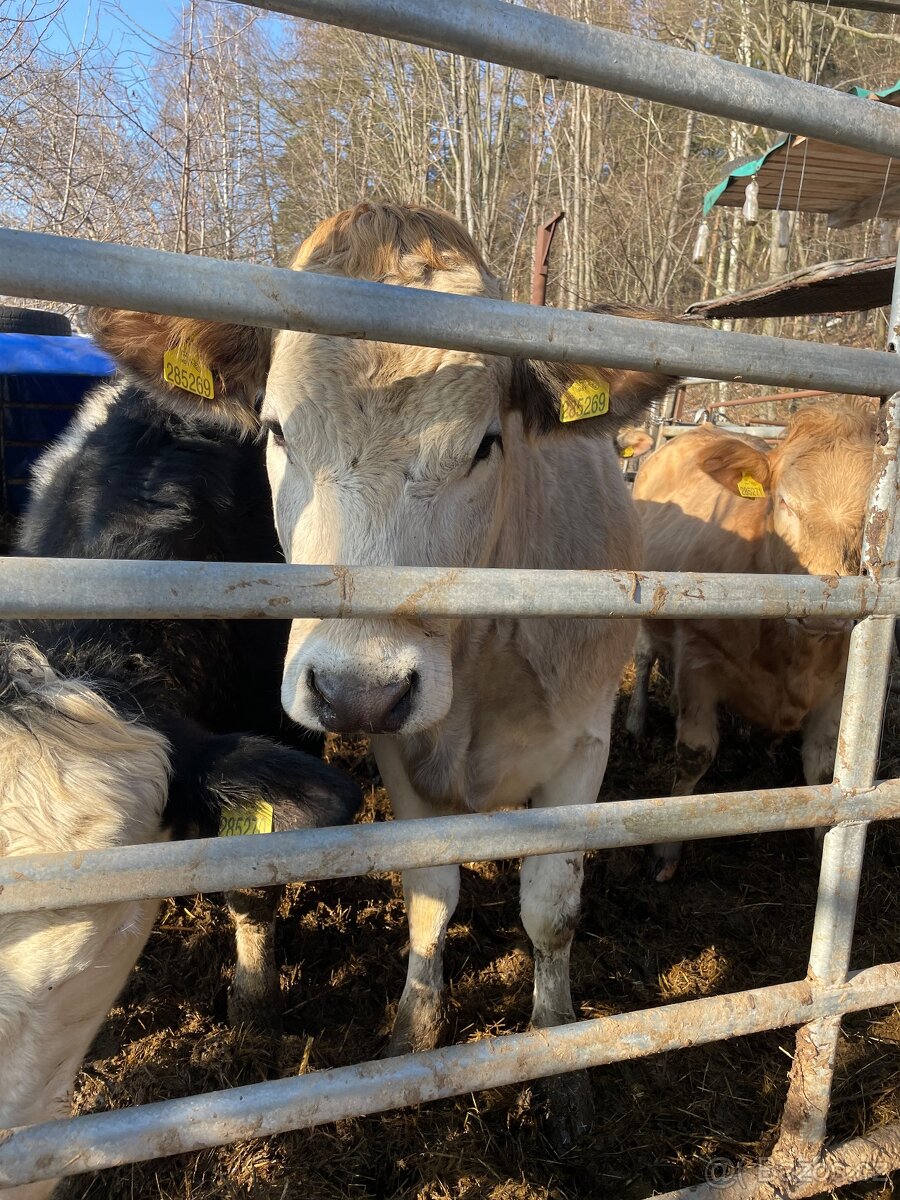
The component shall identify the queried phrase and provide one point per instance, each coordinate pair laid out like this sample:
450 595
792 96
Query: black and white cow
123 732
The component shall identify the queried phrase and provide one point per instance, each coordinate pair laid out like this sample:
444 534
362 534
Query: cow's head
405 456
394 455
816 483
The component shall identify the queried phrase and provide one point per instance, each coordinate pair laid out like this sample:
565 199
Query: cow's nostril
311 683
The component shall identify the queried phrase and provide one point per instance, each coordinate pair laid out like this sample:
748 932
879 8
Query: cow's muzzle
346 705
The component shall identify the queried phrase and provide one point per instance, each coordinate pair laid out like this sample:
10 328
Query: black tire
33 320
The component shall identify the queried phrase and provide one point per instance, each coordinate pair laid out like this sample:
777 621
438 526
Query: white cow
76 776
400 456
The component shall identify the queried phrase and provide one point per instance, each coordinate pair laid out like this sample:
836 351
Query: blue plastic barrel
43 379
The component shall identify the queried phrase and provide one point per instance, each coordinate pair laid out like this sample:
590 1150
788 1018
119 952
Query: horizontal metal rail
79 878
776 398
128 588
44 266
101 1140
535 41
761 431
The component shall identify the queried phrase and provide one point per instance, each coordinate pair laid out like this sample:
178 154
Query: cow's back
690 522
130 480
771 672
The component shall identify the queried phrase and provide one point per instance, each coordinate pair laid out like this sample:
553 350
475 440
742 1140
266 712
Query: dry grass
738 916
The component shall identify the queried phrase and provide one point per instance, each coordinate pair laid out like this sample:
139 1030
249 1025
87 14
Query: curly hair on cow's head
848 418
405 244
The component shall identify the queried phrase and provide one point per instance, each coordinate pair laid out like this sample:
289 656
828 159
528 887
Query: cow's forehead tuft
401 243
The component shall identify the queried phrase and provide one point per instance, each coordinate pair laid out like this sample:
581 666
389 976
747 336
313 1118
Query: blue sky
118 24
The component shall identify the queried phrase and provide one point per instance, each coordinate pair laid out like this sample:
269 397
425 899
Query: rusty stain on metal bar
128 588
83 877
774 398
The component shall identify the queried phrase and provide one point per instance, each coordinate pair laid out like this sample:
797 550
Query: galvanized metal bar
91 1143
870 1157
44 266
125 588
760 431
804 1123
182 868
563 49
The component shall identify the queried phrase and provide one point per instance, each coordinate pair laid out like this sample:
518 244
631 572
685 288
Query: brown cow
387 455
697 516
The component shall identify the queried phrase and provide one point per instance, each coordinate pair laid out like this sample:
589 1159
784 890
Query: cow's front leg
255 995
820 737
696 743
431 895
636 717
551 898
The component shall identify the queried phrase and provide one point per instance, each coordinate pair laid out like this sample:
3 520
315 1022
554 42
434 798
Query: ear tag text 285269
256 816
182 368
750 488
584 398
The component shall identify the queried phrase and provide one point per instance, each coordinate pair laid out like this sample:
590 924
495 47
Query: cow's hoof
419 1024
565 1108
261 1013
664 871
663 862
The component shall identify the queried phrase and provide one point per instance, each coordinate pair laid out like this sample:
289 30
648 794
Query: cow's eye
486 445
274 430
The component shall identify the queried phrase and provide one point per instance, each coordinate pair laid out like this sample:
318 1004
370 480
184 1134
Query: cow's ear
632 442
193 367
556 398
737 466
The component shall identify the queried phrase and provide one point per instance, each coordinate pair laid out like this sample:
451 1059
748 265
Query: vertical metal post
542 243
805 1117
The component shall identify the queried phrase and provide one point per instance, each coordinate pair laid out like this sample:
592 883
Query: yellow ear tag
627 452
750 488
254 817
183 368
584 398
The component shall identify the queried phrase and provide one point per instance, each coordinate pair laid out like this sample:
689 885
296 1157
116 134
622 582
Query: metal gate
50 267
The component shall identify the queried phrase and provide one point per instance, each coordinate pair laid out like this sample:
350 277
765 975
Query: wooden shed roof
800 174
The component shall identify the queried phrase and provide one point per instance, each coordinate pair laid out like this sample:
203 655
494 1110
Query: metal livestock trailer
51 267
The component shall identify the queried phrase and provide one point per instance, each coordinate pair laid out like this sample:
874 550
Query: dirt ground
739 915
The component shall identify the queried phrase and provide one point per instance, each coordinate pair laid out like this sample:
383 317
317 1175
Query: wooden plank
849 285
881 202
